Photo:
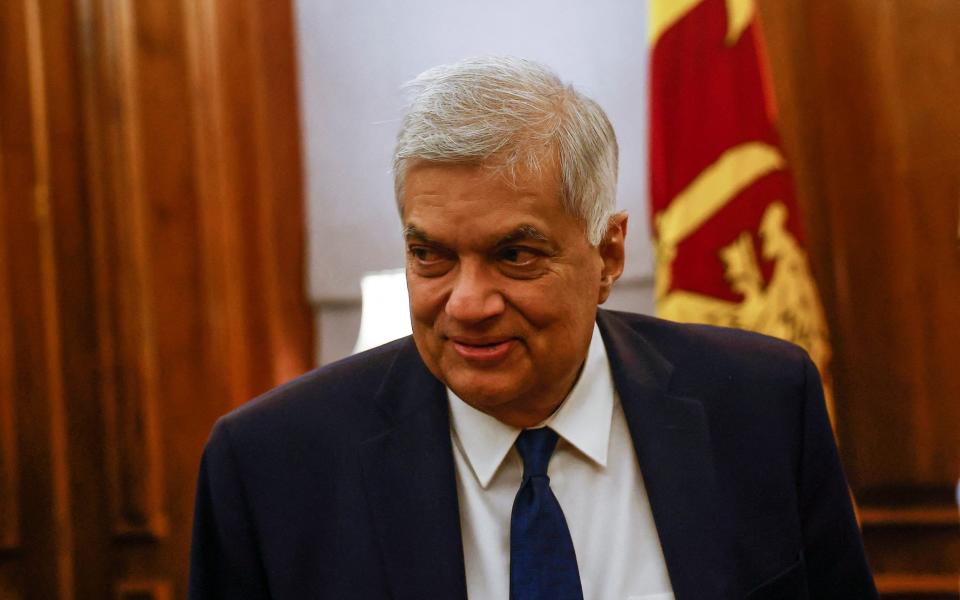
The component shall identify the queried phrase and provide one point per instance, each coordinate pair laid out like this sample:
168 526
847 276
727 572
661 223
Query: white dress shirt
594 474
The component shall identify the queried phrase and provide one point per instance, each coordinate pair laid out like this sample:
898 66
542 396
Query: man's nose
475 296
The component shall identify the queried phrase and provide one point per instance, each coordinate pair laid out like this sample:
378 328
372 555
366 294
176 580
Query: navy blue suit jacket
341 484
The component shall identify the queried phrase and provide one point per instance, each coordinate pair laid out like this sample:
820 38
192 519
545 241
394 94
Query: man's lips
482 349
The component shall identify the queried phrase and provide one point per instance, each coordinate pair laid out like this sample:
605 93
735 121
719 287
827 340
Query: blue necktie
543 565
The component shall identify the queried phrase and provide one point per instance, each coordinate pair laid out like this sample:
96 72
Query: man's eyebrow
521 234
414 233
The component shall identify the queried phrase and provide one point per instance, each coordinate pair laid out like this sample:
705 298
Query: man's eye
424 254
518 256
429 262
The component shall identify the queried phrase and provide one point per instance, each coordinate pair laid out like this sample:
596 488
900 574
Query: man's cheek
426 300
422 310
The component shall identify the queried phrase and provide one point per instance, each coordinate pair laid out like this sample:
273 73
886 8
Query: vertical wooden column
9 455
125 294
33 420
151 273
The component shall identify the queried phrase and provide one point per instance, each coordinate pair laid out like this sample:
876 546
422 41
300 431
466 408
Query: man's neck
534 412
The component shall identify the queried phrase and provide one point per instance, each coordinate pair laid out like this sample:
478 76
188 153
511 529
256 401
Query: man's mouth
482 349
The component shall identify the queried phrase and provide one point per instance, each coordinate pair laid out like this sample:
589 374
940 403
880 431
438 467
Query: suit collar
671 437
410 483
583 420
410 477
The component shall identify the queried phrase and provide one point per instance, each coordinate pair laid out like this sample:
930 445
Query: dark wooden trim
909 505
9 457
139 589
901 516
912 584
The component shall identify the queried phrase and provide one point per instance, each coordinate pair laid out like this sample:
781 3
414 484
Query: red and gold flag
730 247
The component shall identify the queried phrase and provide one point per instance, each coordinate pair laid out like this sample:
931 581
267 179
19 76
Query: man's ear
612 254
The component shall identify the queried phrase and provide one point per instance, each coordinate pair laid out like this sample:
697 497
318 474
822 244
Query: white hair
507 112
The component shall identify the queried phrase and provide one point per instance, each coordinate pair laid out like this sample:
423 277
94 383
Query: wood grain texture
248 168
21 295
130 226
42 185
125 286
216 189
34 185
9 455
280 177
867 93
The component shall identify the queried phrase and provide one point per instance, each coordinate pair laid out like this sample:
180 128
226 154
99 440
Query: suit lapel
410 483
410 478
671 437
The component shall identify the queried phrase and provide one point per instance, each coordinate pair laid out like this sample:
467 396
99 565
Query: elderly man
523 443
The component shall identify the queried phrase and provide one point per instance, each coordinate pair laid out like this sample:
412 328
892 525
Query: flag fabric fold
729 241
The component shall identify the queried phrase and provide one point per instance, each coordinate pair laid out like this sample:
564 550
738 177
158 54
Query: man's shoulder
752 389
706 353
334 399
674 337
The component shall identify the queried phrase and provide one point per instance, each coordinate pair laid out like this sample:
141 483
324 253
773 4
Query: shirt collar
583 419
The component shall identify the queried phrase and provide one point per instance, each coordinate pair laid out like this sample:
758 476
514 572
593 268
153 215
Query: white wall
354 55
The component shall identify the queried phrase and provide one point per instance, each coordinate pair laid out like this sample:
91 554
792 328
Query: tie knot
535 447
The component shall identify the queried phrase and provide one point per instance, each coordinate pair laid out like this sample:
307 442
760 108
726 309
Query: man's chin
487 397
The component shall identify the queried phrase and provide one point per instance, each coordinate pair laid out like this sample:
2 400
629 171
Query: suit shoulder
340 392
710 351
695 334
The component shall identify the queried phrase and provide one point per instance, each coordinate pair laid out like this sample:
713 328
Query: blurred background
193 190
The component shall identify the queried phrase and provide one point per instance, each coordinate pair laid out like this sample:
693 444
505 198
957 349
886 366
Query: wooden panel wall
868 92
151 273
151 267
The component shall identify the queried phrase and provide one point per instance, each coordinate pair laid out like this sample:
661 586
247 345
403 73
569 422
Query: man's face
504 286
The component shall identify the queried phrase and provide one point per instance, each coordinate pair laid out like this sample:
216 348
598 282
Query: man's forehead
467 204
